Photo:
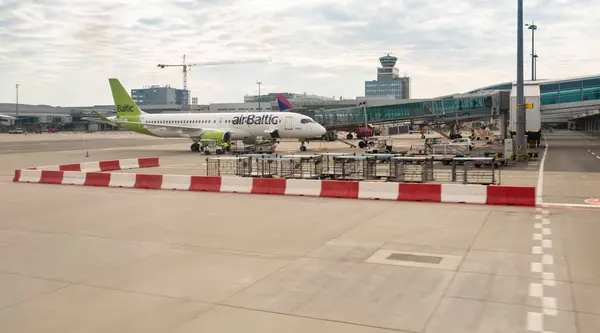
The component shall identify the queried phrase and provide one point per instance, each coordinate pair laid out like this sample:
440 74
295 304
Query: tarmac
86 259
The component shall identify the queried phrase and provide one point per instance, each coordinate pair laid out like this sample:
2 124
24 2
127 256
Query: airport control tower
389 83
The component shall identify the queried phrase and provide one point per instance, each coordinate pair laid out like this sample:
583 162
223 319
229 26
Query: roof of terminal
542 81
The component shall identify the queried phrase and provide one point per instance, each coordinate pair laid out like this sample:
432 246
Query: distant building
156 95
299 98
389 83
240 107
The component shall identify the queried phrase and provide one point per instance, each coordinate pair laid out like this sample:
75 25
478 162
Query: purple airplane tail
283 102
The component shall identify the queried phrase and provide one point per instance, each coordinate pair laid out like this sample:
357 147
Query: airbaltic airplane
217 126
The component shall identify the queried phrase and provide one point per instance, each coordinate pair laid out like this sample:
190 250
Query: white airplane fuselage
241 125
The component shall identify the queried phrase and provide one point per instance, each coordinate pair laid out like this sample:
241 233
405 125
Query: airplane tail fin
283 102
124 105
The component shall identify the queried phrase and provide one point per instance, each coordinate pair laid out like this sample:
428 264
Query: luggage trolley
354 167
306 166
328 167
255 169
383 164
275 166
418 169
228 166
472 172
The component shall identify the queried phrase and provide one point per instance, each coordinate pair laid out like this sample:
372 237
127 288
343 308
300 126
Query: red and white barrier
460 193
450 193
131 163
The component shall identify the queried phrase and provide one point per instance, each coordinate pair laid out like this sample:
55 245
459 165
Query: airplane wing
96 120
191 132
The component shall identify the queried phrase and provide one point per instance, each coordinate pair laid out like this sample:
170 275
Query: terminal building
562 99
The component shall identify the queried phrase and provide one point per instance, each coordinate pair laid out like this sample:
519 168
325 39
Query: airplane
6 119
284 103
223 127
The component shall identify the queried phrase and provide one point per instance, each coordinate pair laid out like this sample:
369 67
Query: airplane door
288 123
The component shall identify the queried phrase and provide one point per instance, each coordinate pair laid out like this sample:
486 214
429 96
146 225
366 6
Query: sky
62 52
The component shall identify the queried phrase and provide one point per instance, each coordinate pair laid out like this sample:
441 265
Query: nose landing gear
302 144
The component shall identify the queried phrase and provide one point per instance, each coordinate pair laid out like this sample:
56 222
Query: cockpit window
306 121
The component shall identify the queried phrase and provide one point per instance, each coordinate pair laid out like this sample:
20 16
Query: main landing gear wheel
195 146
302 148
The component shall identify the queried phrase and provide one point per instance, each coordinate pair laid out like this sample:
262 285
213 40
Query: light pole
535 67
533 28
259 83
520 88
17 105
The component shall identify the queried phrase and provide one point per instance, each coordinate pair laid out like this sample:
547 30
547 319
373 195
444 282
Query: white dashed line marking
536 267
535 290
535 322
542 264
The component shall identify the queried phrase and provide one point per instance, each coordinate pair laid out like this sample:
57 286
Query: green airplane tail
125 106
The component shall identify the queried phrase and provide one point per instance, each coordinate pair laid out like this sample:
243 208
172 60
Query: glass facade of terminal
447 107
578 90
384 88
570 91
160 96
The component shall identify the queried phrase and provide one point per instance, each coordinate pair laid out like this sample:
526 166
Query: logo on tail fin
283 102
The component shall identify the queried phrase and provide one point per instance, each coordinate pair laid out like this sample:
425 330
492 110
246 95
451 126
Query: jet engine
220 136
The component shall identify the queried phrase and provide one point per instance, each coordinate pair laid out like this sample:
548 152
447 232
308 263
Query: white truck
533 116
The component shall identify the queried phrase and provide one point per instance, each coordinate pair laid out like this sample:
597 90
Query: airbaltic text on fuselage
255 120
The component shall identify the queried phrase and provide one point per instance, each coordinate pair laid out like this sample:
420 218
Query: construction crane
210 63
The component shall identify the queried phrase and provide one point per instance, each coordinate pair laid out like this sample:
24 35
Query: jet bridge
457 108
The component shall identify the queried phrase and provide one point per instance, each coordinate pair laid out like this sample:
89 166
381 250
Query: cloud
61 52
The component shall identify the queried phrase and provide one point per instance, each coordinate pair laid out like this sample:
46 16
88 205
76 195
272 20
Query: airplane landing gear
195 146
302 144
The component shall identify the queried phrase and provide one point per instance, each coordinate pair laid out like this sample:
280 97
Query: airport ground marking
542 265
540 184
593 201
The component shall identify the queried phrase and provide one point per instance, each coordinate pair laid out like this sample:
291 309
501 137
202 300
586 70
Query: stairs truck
533 116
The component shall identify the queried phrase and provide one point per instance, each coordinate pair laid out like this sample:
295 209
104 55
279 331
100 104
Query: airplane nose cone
321 130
